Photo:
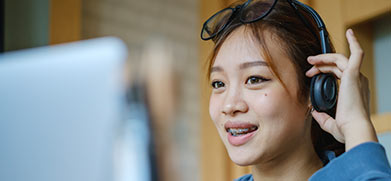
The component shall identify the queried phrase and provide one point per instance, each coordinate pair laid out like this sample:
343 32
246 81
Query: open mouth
241 131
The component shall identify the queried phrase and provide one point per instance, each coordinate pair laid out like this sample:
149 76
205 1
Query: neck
295 164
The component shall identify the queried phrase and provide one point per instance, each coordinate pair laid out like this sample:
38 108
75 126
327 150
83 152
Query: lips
239 133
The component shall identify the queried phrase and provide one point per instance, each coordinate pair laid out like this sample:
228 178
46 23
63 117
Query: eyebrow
242 66
216 69
251 64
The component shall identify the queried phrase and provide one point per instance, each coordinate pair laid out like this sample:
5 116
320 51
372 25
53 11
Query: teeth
240 131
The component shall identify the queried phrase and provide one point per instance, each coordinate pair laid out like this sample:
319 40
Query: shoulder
363 162
247 177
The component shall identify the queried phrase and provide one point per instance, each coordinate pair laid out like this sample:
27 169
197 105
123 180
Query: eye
217 84
256 80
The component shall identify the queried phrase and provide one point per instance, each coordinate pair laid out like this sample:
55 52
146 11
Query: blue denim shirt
366 161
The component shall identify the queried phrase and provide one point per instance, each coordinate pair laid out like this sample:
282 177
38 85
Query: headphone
324 87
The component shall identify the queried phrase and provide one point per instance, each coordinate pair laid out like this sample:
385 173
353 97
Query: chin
242 160
241 156
244 151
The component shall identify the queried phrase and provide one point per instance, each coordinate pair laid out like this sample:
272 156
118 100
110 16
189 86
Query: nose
234 103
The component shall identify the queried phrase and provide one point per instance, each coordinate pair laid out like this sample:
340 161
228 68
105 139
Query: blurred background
165 50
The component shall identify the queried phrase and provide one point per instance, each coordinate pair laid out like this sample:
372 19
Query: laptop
61 113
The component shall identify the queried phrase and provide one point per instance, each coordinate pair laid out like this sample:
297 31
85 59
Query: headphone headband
324 88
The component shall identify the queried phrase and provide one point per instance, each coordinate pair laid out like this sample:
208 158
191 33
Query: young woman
266 52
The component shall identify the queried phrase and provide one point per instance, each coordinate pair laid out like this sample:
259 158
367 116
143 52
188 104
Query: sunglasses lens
216 23
256 9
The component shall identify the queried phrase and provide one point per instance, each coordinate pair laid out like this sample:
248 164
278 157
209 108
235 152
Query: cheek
277 112
279 115
215 104
214 107
269 103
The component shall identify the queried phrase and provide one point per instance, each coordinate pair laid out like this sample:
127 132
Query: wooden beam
331 13
65 21
358 11
382 122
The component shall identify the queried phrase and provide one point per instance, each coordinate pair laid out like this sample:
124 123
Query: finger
330 58
328 124
356 52
324 69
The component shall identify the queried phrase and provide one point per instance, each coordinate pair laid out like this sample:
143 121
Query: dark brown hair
298 42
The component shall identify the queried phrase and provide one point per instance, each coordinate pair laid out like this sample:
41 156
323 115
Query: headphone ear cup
323 91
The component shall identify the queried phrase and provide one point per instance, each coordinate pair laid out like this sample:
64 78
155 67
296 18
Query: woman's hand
352 124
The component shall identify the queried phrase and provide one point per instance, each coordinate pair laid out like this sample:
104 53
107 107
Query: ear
309 103
309 97
310 108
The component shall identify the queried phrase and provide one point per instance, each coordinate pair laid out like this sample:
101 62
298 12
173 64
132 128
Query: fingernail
307 74
351 31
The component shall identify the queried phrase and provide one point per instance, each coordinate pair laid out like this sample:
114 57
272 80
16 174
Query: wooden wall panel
358 11
331 13
382 122
65 21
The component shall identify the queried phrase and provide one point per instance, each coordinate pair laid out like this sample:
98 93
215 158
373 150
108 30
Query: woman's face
257 118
